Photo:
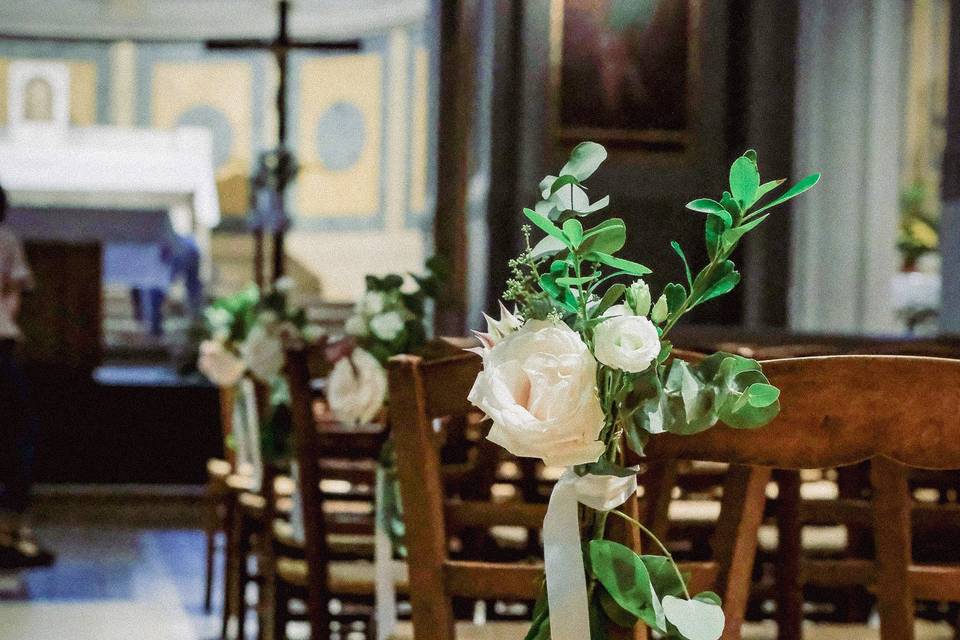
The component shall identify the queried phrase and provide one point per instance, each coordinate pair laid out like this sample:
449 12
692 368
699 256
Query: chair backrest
307 454
421 391
896 411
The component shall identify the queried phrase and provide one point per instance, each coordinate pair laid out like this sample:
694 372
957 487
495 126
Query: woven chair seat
346 578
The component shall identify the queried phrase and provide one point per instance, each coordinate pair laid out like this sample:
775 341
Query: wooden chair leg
658 482
735 540
230 565
891 517
789 554
281 610
208 570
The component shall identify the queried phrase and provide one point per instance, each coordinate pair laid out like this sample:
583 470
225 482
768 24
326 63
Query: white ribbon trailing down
563 557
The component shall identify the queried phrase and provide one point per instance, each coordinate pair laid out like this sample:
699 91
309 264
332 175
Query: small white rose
660 310
219 364
538 386
357 388
625 341
386 326
263 353
284 284
638 297
355 326
312 332
371 303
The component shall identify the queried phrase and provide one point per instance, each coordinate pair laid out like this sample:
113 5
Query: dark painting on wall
627 72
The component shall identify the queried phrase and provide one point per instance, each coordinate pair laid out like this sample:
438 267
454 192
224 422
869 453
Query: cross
280 46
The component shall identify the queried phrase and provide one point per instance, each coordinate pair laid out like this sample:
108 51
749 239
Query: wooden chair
422 391
329 569
897 412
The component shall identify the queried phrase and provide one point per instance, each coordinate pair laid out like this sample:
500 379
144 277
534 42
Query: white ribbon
385 585
563 557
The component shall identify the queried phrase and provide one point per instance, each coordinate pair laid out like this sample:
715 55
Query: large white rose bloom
219 364
263 353
538 386
356 392
386 326
625 341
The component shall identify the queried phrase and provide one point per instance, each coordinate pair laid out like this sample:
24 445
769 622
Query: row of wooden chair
440 515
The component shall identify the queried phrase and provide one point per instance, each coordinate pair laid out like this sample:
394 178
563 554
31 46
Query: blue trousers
18 433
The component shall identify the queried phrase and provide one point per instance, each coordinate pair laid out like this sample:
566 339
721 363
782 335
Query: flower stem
663 548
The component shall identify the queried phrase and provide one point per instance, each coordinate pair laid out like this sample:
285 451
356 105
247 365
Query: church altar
106 175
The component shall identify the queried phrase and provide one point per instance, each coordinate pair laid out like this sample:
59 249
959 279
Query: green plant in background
244 334
573 279
919 227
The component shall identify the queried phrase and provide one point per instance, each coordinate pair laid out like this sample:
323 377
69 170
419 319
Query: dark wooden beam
950 187
454 127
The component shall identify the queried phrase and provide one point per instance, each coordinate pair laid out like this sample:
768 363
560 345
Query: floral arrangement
245 335
584 364
387 320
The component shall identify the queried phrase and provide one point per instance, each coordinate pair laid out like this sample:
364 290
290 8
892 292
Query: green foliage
575 273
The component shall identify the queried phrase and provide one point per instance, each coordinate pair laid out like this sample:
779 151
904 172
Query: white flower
371 303
284 284
386 326
263 353
355 326
219 364
312 332
638 297
357 387
497 330
538 386
625 341
217 317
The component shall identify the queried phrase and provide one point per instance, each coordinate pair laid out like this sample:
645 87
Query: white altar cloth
117 168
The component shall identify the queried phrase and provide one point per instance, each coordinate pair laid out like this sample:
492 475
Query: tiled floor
110 584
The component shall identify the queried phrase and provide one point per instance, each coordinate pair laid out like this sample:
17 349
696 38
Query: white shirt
14 274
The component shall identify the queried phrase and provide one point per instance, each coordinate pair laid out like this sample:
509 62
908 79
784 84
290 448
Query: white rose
263 353
625 341
538 386
355 326
356 391
386 326
219 364
371 303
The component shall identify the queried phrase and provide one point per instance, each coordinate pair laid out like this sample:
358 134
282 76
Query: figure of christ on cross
280 46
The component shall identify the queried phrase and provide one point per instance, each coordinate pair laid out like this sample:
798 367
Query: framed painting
626 73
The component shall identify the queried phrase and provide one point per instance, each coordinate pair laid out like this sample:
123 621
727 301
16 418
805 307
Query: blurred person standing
18 423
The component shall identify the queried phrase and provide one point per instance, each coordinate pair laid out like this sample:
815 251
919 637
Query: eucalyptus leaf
545 186
572 281
547 246
625 577
561 182
724 285
663 575
713 208
585 158
569 197
573 230
767 187
545 225
751 154
620 616
761 394
694 619
714 229
607 237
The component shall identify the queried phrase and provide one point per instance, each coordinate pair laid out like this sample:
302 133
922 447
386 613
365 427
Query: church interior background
129 142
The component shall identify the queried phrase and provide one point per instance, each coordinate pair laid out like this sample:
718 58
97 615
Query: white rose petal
355 326
625 341
263 353
371 303
538 386
356 391
386 326
219 364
